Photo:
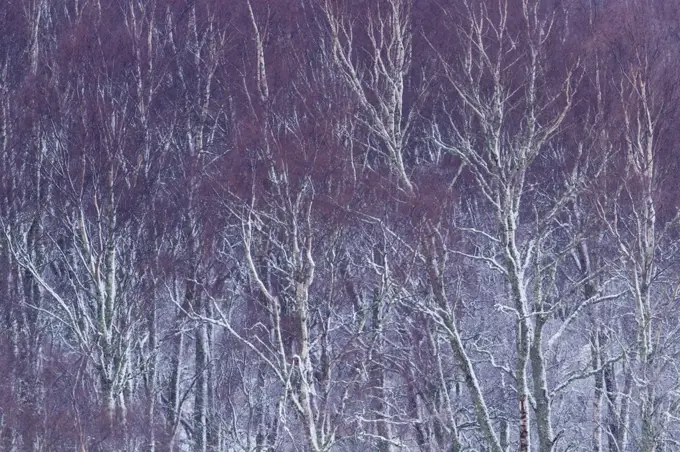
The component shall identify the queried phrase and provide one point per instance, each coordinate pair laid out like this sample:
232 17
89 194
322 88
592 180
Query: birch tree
640 224
89 292
27 25
338 225
511 119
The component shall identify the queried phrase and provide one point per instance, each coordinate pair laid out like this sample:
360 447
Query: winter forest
339 225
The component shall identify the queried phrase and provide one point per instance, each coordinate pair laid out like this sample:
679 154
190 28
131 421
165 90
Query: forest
339 225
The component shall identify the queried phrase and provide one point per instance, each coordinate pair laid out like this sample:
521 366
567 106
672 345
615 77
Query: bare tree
638 222
504 120
338 225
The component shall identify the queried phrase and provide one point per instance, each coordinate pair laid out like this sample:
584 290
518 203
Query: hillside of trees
339 225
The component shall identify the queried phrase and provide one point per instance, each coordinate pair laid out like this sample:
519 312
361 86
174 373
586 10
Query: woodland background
339 225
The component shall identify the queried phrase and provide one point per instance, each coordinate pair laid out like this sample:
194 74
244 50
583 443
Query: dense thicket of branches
333 225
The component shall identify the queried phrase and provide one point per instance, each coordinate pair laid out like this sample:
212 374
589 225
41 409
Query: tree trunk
200 427
541 396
